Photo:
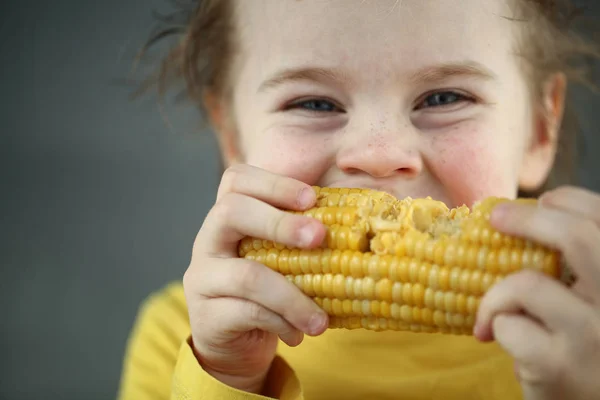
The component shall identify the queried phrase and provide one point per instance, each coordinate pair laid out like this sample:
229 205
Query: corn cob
410 264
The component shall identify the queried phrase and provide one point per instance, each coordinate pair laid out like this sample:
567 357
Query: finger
578 239
232 316
529 343
578 201
534 294
236 216
277 190
293 338
246 279
532 348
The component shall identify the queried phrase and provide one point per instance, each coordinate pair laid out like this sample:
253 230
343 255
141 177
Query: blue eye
315 105
442 99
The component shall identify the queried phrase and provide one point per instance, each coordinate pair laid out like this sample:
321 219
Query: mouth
424 215
378 212
389 188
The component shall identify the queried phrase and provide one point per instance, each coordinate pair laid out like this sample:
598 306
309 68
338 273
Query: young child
457 100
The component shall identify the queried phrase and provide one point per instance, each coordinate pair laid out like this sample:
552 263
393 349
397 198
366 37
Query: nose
381 153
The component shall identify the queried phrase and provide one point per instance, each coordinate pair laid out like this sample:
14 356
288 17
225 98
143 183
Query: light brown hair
548 43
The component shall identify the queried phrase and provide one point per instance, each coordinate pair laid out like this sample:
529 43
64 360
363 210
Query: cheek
291 153
471 167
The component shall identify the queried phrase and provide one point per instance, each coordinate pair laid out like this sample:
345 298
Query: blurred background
101 197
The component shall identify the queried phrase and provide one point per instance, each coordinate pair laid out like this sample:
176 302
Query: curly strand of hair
198 59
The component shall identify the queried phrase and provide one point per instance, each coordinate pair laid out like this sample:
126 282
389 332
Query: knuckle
231 178
225 207
191 281
276 226
188 279
285 189
275 186
191 276
246 279
258 313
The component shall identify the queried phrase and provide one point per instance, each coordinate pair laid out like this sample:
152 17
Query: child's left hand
551 330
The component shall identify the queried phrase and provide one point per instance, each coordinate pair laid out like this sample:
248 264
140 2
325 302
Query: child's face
418 98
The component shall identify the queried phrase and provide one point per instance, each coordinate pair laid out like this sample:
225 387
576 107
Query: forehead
382 35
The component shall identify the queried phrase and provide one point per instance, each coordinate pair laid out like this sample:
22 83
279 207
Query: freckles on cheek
470 170
305 160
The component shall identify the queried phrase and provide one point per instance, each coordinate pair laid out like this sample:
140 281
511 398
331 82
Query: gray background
101 199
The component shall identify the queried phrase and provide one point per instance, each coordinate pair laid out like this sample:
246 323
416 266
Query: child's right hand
238 308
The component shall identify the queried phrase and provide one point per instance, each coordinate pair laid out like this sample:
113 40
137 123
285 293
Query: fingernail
316 322
307 235
306 197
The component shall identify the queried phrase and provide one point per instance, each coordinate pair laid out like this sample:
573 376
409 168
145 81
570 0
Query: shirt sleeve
159 362
190 381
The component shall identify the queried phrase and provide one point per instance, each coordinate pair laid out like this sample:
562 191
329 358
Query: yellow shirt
340 364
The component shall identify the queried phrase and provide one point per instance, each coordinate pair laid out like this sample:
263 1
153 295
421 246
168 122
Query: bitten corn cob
410 264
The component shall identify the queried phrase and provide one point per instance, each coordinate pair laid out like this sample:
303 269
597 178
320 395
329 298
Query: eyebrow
442 72
431 74
304 74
